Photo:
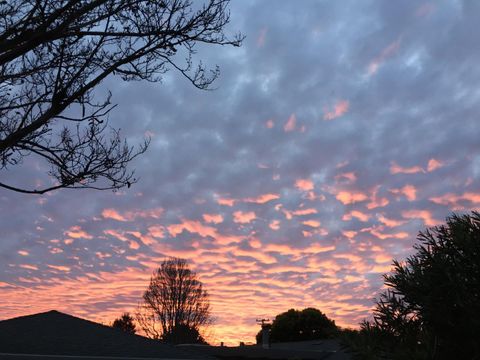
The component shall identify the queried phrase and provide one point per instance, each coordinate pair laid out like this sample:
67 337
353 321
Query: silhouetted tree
184 334
54 53
175 305
295 325
125 323
431 308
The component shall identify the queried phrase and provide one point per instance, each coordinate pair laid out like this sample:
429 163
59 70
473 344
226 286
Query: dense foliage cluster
431 308
296 325
125 323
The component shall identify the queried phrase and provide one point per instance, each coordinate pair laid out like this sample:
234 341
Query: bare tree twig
53 53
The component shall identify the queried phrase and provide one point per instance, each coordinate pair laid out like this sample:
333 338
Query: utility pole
265 324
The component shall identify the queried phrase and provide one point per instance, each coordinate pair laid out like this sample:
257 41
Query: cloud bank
337 132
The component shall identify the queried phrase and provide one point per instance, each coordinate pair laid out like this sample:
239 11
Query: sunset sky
334 134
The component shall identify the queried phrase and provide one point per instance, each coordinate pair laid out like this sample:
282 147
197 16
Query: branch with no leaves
54 53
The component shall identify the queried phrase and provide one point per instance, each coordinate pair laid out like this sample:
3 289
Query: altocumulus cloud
337 132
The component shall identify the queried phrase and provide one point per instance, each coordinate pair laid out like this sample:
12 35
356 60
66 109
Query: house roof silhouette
56 333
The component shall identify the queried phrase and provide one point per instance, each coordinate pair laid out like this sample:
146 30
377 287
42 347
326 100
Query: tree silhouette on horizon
175 305
300 325
125 323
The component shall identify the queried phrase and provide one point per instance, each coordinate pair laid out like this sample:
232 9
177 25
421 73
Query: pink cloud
224 240
383 258
453 200
350 278
288 214
386 53
155 213
290 124
76 232
132 215
23 252
262 199
312 223
447 199
147 239
409 191
283 249
314 229
241 217
349 233
194 227
310 195
397 169
424 215
356 214
339 109
382 235
270 124
375 201
274 225
55 250
317 248
28 267
255 243
157 231
112 214
213 218
132 244
472 197
434 164
304 184
59 268
302 212
350 177
390 222
329 266
102 255
380 202
226 201
120 235
347 197
381 269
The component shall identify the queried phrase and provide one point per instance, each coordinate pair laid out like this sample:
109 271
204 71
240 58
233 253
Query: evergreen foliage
431 308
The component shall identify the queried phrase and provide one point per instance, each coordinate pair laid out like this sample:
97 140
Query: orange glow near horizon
234 307
257 255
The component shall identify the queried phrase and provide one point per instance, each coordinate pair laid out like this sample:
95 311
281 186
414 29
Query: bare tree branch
53 53
175 304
